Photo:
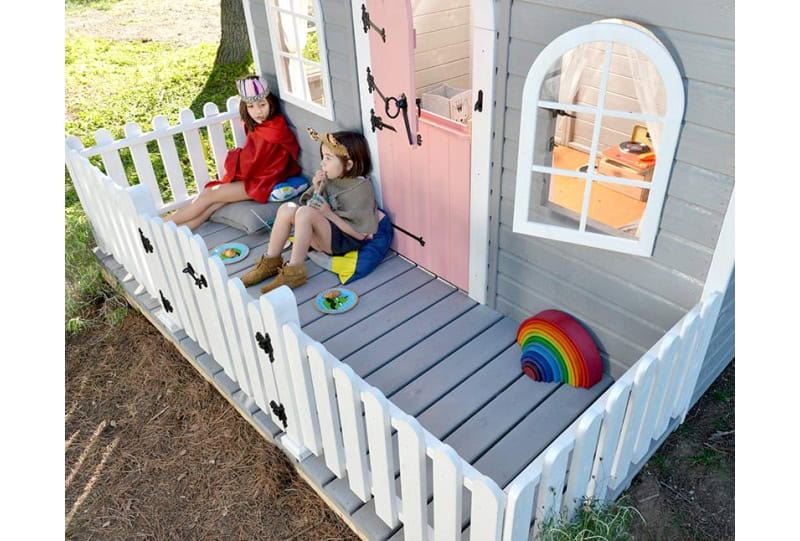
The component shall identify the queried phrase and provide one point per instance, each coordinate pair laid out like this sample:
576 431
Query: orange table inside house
608 205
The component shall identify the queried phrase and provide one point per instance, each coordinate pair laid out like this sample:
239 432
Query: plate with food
336 300
231 252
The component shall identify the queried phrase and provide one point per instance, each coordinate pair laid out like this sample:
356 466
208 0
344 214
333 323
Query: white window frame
645 43
277 54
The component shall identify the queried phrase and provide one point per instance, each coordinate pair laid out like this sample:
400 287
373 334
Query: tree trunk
234 44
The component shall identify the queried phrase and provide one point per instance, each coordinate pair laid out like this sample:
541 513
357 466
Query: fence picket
413 477
158 261
582 460
124 255
448 483
82 174
253 370
195 149
170 260
348 397
216 139
642 382
237 127
133 201
169 156
381 455
300 372
708 315
111 160
486 511
184 282
218 280
321 363
607 442
519 507
554 471
277 308
665 361
690 331
142 163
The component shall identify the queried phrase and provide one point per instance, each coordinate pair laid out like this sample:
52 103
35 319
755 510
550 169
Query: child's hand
319 180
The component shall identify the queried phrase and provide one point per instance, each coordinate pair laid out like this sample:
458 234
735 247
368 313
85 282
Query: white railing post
413 477
554 472
142 163
169 156
381 454
321 363
216 138
279 307
616 403
519 507
194 147
348 396
448 483
587 433
486 511
237 128
111 160
302 386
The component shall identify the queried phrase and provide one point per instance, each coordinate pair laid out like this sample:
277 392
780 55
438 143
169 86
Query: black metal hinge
265 343
165 302
479 103
199 282
367 23
377 122
148 246
279 411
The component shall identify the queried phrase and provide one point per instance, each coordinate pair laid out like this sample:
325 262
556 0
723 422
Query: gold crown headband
330 141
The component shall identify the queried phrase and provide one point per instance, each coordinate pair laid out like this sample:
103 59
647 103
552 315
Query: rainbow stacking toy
555 347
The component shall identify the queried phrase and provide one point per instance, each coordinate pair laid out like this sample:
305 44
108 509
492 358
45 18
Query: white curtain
293 34
650 91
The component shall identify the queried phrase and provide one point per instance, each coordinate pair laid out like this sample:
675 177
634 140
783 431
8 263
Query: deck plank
329 325
382 350
530 437
387 318
414 382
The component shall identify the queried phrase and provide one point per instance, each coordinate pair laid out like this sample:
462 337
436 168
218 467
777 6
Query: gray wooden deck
433 351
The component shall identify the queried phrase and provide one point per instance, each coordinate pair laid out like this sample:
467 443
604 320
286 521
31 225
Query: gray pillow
242 215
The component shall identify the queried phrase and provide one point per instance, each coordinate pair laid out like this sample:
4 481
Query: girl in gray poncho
336 214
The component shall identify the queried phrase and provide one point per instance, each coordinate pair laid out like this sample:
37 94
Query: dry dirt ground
152 451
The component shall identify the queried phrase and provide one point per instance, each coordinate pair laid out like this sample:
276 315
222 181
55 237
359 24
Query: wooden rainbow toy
555 347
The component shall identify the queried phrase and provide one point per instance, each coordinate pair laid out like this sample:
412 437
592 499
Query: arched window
601 112
301 59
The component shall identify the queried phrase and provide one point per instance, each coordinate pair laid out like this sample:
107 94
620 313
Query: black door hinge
165 302
377 122
367 23
199 282
551 144
479 103
265 344
279 411
148 246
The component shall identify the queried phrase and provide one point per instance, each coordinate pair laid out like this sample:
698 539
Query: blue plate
240 249
336 300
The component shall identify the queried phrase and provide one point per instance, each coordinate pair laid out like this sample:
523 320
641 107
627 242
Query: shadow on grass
221 84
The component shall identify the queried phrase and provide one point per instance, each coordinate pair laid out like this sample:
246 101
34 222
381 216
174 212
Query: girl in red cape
269 156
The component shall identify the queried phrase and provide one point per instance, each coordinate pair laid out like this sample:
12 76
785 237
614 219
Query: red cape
269 156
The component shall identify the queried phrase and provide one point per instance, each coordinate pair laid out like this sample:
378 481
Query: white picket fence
329 410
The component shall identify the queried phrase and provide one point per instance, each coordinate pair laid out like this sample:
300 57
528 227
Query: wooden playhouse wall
627 301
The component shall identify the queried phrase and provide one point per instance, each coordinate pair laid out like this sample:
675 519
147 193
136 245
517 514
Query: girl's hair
357 148
249 123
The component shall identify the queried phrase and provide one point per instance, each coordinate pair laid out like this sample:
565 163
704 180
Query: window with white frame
298 46
601 112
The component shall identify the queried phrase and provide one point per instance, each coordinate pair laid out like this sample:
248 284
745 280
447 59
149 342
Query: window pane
306 7
575 77
315 88
286 38
309 40
292 72
556 200
616 210
634 84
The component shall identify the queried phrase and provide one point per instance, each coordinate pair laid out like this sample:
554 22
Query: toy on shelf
556 348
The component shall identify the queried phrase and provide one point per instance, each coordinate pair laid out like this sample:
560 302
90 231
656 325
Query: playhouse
559 289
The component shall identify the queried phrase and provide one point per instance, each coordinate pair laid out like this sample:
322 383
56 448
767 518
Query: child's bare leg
281 228
200 220
197 209
309 225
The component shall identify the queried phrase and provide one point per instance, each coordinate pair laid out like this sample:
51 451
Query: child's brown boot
266 267
289 275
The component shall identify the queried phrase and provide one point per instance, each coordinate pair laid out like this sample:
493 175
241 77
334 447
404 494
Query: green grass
595 521
79 5
107 84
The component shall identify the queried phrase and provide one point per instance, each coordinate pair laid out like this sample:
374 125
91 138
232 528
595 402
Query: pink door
424 161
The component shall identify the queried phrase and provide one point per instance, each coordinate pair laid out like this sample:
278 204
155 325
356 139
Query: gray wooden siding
627 301
443 52
721 349
344 79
